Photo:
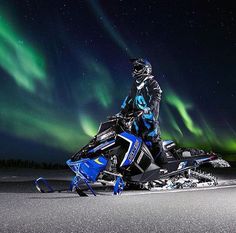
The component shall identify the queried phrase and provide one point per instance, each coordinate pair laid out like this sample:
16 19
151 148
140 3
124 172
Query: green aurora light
173 120
89 126
44 126
38 121
19 59
115 35
97 79
182 108
101 82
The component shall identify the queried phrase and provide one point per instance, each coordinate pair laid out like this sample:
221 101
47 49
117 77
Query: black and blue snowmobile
116 155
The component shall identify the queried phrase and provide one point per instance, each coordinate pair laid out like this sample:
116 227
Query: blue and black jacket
144 94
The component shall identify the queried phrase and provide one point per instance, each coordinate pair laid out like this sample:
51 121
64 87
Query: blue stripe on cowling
133 139
101 146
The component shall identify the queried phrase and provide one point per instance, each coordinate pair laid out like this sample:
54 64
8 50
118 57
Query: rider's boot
159 154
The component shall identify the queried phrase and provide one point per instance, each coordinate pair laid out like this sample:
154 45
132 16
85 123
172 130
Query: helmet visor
138 67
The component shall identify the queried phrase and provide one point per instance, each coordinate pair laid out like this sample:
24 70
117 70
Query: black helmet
141 69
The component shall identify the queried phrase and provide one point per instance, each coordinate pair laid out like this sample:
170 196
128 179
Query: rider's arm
127 104
155 91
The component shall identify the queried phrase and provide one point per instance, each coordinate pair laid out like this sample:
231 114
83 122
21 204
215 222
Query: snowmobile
116 155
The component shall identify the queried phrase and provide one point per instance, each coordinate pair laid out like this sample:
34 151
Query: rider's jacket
146 94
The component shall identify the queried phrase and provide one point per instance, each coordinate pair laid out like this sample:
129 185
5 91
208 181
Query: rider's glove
119 114
146 110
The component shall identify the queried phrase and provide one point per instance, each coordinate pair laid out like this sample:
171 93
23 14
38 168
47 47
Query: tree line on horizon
13 163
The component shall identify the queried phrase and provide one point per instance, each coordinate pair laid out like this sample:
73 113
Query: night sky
64 67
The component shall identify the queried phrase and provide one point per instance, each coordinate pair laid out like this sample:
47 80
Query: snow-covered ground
29 174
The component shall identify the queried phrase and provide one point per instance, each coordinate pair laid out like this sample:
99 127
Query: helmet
141 69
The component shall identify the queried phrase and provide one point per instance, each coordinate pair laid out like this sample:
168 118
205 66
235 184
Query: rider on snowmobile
145 95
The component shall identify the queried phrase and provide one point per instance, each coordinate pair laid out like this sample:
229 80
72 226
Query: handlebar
114 117
128 116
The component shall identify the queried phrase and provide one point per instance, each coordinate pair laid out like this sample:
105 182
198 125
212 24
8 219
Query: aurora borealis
20 61
64 67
